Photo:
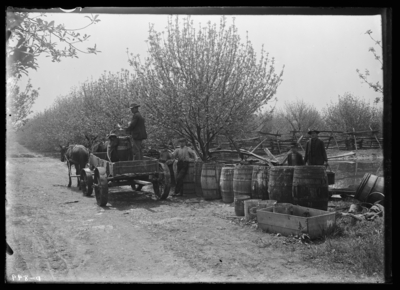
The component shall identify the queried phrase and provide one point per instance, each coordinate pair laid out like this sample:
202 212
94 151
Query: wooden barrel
259 182
310 187
124 149
218 168
197 177
370 183
280 183
188 180
120 150
210 177
242 180
239 204
226 184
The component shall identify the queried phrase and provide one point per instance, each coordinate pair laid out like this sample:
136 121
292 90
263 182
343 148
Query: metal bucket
331 177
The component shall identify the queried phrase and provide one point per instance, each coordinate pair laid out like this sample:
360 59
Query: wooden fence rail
278 143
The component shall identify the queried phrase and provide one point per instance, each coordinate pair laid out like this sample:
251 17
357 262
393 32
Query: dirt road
59 235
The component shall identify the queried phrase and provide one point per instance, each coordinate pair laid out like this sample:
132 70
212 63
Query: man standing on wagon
137 130
315 150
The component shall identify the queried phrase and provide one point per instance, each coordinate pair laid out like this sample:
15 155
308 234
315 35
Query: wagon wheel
86 182
101 186
162 184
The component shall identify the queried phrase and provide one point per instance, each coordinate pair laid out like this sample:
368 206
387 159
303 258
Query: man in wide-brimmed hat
315 150
184 155
137 130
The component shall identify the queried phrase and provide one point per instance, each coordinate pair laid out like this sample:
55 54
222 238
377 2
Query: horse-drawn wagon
102 174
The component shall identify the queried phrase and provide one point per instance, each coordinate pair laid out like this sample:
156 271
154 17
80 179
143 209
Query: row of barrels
300 185
217 180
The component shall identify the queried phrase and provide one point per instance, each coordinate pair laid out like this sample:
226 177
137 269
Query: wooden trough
299 220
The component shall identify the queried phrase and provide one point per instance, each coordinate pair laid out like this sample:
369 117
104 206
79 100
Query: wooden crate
135 166
303 220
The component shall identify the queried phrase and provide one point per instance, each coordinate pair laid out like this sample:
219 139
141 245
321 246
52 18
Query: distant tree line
97 106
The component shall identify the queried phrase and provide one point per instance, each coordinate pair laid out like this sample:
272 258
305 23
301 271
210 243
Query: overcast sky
320 53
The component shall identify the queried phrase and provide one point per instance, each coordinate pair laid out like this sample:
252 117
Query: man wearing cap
294 157
315 150
184 155
137 130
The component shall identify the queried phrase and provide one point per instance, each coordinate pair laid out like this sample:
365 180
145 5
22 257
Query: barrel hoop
361 185
373 186
309 181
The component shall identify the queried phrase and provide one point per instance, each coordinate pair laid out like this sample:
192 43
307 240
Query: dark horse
99 146
76 155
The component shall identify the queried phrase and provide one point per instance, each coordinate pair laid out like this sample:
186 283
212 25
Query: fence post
329 141
375 137
355 140
335 140
277 141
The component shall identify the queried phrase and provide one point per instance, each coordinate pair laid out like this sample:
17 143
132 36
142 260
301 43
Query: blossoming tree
202 82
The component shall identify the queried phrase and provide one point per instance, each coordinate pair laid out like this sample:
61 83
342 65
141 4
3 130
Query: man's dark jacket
137 128
298 160
315 152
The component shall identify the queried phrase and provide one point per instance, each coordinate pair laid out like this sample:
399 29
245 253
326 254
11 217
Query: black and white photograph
198 145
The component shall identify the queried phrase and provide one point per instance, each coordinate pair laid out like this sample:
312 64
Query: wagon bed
103 174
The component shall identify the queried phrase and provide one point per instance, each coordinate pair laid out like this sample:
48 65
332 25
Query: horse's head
63 150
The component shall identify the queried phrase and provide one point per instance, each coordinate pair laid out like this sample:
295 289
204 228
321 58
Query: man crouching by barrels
184 155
